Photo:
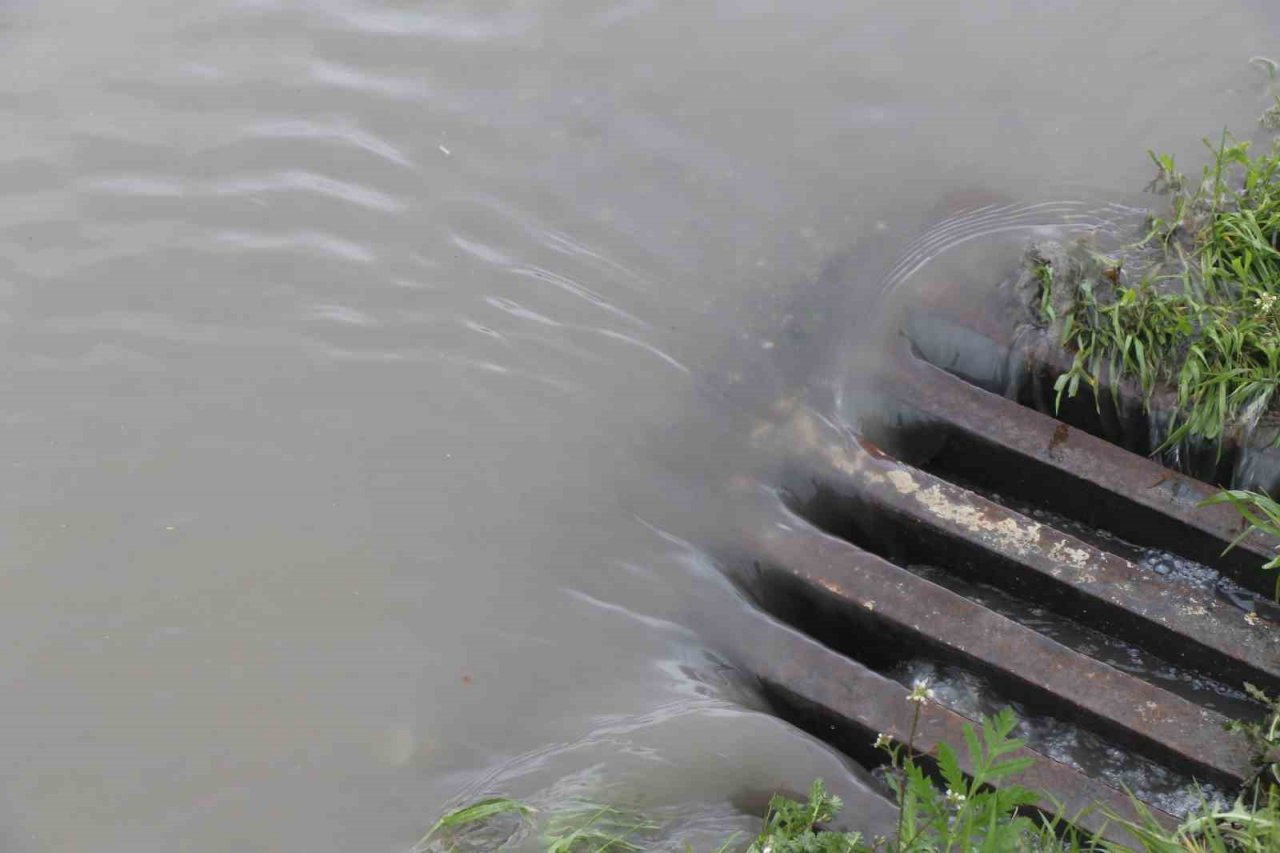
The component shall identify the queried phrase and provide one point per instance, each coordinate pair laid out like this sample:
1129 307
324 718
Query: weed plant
1262 514
1202 320
599 829
454 827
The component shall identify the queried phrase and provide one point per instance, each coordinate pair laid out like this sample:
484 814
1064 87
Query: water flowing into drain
1015 561
1065 741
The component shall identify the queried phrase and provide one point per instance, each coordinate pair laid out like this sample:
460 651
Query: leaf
996 730
1009 768
976 757
949 767
476 812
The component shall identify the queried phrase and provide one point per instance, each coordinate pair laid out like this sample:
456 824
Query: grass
941 808
1197 318
1261 512
594 828
1199 315
789 826
1252 827
1263 737
471 816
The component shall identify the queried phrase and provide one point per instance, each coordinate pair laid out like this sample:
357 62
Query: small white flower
920 692
882 740
1265 303
955 798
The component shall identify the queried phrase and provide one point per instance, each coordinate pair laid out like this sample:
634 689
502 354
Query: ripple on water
396 88
1064 216
301 242
328 132
462 23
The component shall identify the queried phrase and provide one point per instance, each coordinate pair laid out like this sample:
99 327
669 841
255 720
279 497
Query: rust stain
1060 435
872 448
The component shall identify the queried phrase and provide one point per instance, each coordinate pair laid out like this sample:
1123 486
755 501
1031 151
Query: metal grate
834 554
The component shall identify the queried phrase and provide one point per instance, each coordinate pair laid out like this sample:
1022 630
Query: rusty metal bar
1033 457
859 701
895 505
986 340
868 589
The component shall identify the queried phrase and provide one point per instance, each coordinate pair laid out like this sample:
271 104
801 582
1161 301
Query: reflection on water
361 358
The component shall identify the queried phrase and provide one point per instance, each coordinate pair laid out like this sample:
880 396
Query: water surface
362 361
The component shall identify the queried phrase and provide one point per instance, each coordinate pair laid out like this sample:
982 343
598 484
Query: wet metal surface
1088 583
875 591
846 694
1026 452
814 566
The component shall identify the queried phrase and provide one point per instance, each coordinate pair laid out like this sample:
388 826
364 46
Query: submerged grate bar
861 703
1037 458
869 589
834 554
1093 585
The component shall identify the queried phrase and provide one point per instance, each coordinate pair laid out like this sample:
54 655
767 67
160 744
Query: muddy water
362 361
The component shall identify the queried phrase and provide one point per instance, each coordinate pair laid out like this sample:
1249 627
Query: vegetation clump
1190 312
792 826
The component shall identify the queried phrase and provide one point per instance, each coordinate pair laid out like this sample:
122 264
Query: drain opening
1190 684
1165 565
1124 659
897 537
1097 515
1066 740
960 432
1022 366
897 652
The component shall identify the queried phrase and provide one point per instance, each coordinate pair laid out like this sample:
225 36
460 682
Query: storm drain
1078 580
